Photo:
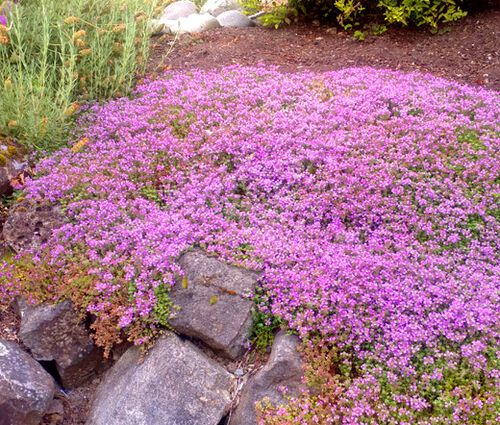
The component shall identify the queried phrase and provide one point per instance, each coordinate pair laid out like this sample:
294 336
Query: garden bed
466 51
365 197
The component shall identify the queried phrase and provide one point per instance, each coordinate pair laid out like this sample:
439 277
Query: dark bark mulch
467 51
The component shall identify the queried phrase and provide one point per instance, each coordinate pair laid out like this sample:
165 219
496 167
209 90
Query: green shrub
353 12
57 54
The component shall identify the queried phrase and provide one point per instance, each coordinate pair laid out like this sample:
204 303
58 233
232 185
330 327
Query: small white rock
235 19
155 26
178 9
170 26
216 7
191 24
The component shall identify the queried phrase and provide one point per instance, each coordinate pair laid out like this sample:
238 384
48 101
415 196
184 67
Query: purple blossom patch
368 199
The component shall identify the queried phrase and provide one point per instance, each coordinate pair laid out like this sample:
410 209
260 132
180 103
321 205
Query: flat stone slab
283 369
26 389
176 384
53 333
212 303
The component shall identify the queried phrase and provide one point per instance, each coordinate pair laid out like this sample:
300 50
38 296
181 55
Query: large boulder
213 304
12 163
216 7
283 369
53 333
175 384
26 389
178 9
30 224
234 19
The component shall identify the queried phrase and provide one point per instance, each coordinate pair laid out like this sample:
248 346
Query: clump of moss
3 160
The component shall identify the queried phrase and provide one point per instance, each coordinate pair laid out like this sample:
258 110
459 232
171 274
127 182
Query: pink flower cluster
368 199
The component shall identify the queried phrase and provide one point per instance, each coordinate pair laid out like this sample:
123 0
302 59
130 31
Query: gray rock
234 19
284 369
178 9
175 385
26 389
29 224
216 7
212 304
53 333
12 163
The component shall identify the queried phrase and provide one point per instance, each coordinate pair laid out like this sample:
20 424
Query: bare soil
467 51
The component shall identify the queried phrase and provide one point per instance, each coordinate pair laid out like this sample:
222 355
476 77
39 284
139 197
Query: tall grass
56 54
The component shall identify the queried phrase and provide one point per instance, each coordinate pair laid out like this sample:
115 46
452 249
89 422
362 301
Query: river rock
26 389
212 302
216 7
155 27
53 333
283 369
192 24
175 384
234 19
197 23
178 9
30 224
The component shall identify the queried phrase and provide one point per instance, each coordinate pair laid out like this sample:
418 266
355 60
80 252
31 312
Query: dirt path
468 51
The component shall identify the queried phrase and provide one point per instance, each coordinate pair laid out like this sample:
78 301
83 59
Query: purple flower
366 198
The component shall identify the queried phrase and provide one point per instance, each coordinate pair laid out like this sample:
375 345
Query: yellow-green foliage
349 13
59 54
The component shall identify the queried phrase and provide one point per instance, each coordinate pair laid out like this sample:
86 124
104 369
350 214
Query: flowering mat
368 199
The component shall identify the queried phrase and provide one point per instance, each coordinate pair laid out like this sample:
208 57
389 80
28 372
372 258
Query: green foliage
58 54
264 324
359 35
163 306
276 13
351 13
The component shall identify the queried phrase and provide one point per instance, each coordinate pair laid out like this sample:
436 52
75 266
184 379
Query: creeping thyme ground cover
367 198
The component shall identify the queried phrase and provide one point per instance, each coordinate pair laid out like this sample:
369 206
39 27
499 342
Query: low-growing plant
350 13
367 200
54 55
264 323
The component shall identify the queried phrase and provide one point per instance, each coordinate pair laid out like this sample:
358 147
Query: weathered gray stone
12 163
178 9
284 369
234 19
176 385
212 305
26 389
29 224
53 333
216 7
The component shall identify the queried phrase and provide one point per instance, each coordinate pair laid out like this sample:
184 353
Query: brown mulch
466 51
